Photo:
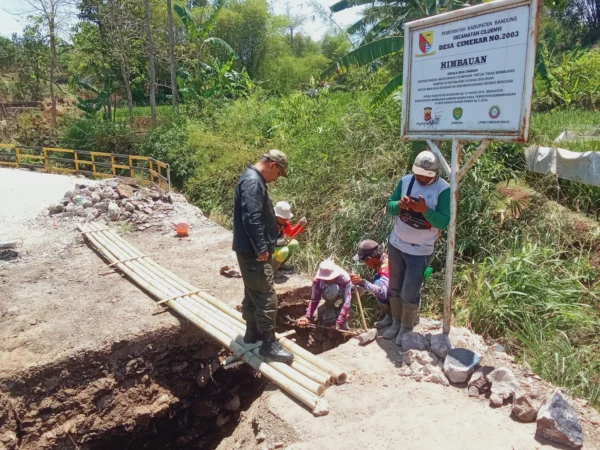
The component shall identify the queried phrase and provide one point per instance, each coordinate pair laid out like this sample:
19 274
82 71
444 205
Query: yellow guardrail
144 169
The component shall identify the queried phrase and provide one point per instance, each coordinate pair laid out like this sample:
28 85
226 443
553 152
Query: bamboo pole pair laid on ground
305 379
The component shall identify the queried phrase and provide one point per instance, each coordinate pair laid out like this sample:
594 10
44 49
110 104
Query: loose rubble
559 422
414 341
125 201
428 355
422 365
440 345
527 402
460 364
479 383
504 386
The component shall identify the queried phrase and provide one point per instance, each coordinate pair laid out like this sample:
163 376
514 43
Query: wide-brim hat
328 271
283 210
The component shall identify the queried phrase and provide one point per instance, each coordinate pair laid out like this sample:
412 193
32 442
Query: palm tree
381 32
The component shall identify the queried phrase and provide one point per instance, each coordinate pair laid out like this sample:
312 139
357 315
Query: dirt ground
57 301
378 408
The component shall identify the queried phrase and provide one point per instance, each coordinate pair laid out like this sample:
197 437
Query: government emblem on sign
494 112
426 41
457 113
427 114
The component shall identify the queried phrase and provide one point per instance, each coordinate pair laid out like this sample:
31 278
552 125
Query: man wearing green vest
421 204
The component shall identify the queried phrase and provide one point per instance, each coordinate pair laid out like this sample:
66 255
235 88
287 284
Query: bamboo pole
232 331
362 314
318 406
313 361
304 356
286 370
114 253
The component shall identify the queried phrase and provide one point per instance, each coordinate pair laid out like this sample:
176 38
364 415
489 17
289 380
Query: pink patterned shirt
345 285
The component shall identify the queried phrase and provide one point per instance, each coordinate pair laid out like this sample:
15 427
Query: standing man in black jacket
254 238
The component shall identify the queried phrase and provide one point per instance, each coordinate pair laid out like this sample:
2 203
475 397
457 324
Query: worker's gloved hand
356 279
302 221
281 242
303 321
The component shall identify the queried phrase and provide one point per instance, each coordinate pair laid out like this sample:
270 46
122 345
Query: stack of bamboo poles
305 379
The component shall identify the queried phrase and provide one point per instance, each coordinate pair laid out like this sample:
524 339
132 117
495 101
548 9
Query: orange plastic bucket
182 229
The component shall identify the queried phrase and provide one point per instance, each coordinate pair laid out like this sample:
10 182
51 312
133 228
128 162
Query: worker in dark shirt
254 238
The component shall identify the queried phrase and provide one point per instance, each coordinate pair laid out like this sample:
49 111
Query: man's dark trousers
260 299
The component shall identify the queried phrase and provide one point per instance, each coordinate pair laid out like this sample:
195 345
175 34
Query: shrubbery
519 279
573 80
97 135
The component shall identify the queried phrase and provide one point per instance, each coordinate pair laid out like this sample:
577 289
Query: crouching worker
332 283
286 244
370 254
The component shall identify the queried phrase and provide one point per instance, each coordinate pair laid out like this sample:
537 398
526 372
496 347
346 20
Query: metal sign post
468 76
451 238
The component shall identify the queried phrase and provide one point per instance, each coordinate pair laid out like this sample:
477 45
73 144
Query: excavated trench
163 390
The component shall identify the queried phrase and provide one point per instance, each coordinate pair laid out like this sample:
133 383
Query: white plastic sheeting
575 166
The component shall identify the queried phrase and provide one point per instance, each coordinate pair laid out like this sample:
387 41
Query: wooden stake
360 308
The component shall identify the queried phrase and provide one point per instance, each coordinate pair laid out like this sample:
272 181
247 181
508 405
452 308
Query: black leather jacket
254 222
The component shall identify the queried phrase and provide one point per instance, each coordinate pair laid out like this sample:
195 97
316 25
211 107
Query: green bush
169 143
219 161
539 300
573 80
288 73
92 134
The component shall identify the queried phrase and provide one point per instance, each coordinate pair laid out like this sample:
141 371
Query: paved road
25 194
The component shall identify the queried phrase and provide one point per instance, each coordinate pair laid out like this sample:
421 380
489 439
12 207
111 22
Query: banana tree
199 33
381 29
218 80
91 106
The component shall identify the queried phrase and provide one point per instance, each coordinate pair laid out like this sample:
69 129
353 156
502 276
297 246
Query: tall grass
545 129
122 113
542 299
522 280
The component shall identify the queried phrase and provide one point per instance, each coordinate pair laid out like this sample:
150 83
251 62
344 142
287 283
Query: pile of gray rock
117 200
431 358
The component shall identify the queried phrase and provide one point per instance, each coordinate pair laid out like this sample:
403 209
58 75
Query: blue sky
13 23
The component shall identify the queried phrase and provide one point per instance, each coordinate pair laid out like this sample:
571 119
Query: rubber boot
396 308
409 313
387 320
275 265
252 335
272 350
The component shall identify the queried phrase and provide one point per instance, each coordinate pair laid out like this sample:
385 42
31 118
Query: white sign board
468 74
